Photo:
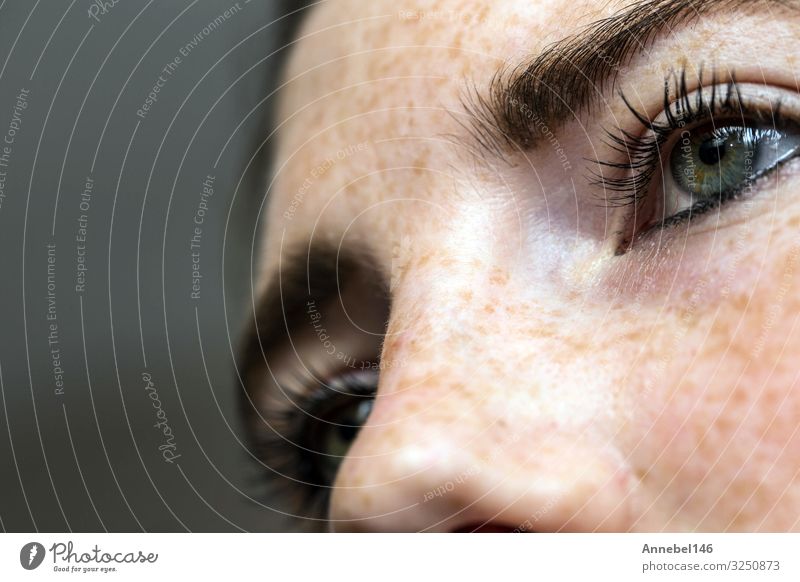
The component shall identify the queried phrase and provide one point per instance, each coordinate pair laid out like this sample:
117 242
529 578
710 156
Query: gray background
89 459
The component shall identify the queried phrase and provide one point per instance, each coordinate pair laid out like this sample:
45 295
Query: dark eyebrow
316 273
525 103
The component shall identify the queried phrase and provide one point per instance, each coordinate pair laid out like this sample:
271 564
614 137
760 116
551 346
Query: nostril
478 527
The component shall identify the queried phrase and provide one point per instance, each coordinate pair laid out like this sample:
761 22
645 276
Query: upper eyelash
643 152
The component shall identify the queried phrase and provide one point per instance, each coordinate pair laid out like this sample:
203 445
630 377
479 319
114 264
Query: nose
481 430
432 480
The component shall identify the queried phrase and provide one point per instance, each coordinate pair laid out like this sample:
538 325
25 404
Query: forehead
372 102
344 43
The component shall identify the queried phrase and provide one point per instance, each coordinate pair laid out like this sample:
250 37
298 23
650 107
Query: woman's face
547 253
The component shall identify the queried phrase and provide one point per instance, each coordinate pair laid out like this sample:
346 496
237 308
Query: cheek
719 437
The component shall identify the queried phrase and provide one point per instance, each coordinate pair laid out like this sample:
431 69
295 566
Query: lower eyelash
278 441
281 475
703 206
301 500
644 152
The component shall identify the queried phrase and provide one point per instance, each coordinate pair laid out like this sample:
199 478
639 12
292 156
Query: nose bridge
472 332
446 305
467 428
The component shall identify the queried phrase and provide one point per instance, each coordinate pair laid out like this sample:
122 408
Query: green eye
333 421
333 439
711 163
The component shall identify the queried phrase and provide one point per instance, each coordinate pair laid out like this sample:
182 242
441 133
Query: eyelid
765 179
753 99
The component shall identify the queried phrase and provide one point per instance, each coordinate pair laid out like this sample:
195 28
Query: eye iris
710 163
348 422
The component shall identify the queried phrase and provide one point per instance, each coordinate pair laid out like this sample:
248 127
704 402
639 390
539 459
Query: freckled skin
545 384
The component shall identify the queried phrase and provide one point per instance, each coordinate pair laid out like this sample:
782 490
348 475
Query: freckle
685 295
366 499
412 408
466 295
394 342
577 345
739 301
423 259
498 277
390 440
488 308
739 399
541 331
457 387
482 13
740 489
635 336
415 346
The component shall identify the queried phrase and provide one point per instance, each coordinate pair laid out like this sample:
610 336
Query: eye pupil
713 150
352 419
